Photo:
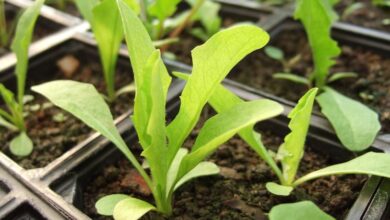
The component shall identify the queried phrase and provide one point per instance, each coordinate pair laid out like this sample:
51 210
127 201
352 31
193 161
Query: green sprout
170 164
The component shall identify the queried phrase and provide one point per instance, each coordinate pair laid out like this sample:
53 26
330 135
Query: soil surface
42 29
238 192
369 15
54 131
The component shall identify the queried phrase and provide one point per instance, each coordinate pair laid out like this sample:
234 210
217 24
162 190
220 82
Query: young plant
170 165
13 119
355 124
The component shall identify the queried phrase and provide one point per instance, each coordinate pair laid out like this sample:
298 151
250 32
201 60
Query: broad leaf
222 100
221 127
292 150
355 124
21 145
84 102
107 28
202 169
163 8
298 211
106 204
377 164
211 63
274 53
21 42
292 77
318 16
131 209
279 190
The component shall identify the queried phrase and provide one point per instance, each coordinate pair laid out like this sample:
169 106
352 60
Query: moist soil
369 16
52 130
42 29
238 192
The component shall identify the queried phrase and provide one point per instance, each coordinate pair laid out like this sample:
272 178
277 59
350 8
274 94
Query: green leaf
279 190
211 63
85 7
352 8
292 150
140 48
274 53
21 42
202 169
371 163
355 124
21 145
106 204
107 29
174 169
221 127
222 100
318 16
341 75
130 88
131 209
292 77
298 211
163 8
84 102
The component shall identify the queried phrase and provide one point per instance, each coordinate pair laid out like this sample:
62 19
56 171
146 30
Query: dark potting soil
370 15
42 29
52 130
237 193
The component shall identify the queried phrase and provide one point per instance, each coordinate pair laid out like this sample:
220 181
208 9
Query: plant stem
160 29
3 26
177 31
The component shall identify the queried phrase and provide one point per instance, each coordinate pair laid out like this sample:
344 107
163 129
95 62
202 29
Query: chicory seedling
355 124
170 165
21 145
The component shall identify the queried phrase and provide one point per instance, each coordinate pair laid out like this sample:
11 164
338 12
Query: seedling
13 119
170 165
355 124
6 31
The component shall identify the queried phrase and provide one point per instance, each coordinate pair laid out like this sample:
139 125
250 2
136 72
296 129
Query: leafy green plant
170 165
298 211
13 119
355 124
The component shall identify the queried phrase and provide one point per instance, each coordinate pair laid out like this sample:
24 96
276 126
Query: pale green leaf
106 204
163 8
341 75
377 164
21 43
274 53
298 211
355 124
292 77
211 63
208 15
279 190
221 127
202 169
21 145
352 8
107 29
222 100
318 16
83 101
131 209
130 88
292 150
174 169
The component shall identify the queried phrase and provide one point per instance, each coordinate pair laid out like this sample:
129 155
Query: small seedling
170 164
355 124
13 119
